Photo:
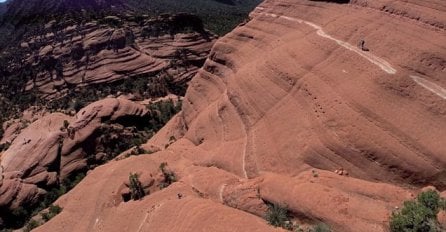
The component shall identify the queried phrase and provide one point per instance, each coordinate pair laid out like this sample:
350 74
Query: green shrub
431 200
31 225
138 151
161 112
418 215
53 210
277 216
136 189
169 176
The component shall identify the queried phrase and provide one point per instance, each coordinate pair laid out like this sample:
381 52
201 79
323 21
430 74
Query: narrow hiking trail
376 60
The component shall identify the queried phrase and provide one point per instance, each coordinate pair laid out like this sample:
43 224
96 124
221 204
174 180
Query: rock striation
282 103
55 146
68 55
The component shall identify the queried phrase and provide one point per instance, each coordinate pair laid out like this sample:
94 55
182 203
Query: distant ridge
19 10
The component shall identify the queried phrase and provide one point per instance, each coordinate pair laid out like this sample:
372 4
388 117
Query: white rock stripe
220 192
381 63
434 88
143 221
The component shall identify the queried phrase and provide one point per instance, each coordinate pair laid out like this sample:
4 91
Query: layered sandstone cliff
68 55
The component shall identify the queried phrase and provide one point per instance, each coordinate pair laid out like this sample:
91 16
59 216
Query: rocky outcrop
68 55
283 102
55 146
13 127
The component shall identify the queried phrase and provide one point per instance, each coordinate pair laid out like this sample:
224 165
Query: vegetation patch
219 16
22 215
135 186
138 151
278 216
112 139
169 176
419 215
53 210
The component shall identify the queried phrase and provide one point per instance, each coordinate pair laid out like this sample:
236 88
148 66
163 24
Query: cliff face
66 56
294 90
301 90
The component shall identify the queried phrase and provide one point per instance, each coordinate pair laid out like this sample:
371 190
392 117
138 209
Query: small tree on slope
419 215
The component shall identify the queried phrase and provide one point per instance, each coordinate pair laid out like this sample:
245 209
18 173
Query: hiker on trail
362 46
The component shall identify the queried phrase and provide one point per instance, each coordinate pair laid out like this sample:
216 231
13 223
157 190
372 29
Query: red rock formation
68 55
43 154
284 101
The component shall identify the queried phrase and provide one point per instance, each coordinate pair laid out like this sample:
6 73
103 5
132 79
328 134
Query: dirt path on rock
381 63
378 61
434 88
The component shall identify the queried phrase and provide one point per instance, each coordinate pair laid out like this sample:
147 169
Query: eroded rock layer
55 146
70 55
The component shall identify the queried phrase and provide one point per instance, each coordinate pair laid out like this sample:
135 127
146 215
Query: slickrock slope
283 102
14 126
68 55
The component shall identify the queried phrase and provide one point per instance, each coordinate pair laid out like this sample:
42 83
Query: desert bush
431 200
32 224
161 112
169 176
277 215
136 189
139 151
53 210
418 215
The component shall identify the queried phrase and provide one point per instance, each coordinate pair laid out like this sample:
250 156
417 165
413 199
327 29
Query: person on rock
362 46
